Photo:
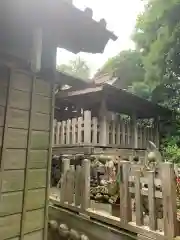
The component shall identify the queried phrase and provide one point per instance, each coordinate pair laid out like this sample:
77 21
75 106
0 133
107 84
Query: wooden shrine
105 117
30 32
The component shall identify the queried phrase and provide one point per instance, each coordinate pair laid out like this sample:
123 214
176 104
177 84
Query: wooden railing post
85 190
169 200
78 186
63 190
151 200
125 198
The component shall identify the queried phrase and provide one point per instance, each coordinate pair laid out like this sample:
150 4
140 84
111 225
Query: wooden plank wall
25 127
132 183
87 130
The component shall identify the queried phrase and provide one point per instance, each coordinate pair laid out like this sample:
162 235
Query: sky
120 16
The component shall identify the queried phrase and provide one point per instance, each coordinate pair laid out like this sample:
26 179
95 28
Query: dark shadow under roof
117 100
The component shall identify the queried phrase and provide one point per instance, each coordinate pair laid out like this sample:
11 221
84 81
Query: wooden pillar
134 132
103 124
49 50
36 52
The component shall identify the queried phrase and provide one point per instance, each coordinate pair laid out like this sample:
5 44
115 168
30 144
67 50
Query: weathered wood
49 165
11 203
85 196
70 184
103 124
58 126
63 124
12 180
79 134
18 118
94 130
134 131
41 122
40 140
43 87
35 199
66 166
16 138
20 99
78 186
74 121
10 226
38 159
21 81
43 104
169 200
68 126
14 159
38 235
34 220
151 200
87 127
36 178
125 199
138 199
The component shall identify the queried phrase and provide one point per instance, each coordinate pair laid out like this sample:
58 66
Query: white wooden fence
95 131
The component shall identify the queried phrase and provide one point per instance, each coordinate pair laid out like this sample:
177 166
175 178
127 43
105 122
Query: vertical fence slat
62 134
87 127
94 130
79 133
78 186
118 133
58 126
74 130
169 200
113 141
53 132
125 198
123 131
151 201
68 126
63 190
138 198
85 197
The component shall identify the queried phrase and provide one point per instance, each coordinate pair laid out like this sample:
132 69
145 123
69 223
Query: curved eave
70 27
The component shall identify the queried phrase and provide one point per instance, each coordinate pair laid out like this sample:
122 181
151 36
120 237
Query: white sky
120 16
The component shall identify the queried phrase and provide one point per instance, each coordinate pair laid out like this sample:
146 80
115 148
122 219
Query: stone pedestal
26 116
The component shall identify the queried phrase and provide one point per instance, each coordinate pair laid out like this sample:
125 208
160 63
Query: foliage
153 69
76 68
157 35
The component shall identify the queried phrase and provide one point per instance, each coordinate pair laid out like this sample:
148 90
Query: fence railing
92 130
77 198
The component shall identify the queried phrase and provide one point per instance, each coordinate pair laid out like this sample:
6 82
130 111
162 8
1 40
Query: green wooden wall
26 116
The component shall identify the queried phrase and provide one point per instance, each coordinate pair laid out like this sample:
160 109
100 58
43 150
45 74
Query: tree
157 35
77 68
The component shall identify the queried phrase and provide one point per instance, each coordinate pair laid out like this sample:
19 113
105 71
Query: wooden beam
36 52
64 94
